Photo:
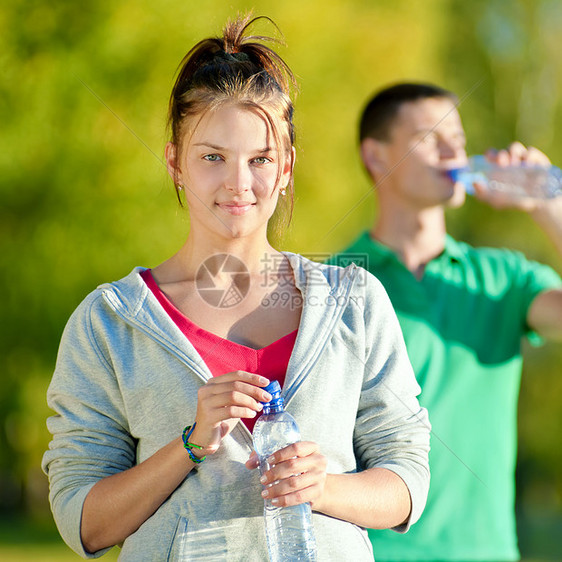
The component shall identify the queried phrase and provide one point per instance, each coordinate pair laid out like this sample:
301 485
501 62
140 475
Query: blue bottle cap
456 173
274 388
465 176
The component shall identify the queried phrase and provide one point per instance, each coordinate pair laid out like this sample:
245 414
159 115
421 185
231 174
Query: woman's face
231 171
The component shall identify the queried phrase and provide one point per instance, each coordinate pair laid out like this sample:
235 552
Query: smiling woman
228 170
161 375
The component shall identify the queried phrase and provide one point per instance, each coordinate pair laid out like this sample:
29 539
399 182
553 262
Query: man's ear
172 163
373 154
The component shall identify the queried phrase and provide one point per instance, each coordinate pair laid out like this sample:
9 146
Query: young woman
194 341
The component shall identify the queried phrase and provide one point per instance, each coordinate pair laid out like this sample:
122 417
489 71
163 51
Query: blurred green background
85 197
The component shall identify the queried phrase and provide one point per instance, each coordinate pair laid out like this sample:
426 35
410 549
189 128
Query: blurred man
463 312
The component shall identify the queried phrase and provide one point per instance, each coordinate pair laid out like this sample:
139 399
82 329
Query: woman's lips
236 209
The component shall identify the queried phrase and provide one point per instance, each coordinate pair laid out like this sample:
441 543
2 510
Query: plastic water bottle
521 181
289 530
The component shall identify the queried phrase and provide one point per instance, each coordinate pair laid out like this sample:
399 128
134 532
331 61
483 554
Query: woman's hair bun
232 56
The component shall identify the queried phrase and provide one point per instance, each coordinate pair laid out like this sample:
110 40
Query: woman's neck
254 256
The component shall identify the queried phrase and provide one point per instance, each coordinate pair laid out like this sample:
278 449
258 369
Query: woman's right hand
221 402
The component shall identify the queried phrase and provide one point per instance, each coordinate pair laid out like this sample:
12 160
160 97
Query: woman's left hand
297 474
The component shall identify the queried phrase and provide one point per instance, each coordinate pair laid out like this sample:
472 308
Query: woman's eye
212 157
261 160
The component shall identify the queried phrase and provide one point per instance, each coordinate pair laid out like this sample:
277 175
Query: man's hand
515 155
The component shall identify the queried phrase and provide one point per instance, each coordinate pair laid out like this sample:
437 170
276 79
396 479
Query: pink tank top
223 356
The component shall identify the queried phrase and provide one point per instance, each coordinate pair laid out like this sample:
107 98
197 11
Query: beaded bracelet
188 446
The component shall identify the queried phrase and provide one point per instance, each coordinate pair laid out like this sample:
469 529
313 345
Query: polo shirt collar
453 249
380 253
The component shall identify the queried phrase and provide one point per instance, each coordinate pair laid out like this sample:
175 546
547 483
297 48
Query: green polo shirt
462 324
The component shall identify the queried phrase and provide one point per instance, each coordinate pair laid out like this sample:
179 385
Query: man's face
426 140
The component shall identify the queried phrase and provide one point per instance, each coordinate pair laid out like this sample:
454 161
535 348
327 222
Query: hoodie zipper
118 307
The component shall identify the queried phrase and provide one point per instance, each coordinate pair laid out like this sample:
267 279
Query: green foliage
85 196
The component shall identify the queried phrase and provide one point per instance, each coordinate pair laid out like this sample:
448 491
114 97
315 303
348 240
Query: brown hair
381 111
239 68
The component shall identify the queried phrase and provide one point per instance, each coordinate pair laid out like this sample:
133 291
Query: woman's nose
239 179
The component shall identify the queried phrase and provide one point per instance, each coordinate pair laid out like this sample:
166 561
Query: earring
283 191
179 186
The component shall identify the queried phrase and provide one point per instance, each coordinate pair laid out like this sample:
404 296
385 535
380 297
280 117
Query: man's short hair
381 111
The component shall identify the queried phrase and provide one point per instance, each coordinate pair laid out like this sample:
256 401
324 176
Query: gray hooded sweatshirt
126 383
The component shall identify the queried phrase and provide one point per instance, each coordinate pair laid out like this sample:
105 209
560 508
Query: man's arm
545 313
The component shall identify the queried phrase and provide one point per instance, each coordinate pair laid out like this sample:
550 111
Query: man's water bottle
518 181
289 530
